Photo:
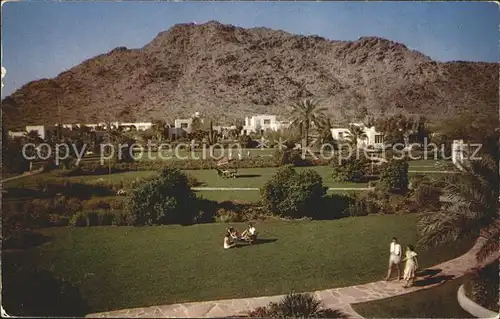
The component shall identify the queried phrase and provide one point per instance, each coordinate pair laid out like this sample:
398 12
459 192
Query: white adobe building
262 123
372 139
44 131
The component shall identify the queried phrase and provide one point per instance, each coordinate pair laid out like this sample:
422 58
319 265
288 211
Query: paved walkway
25 174
256 188
338 298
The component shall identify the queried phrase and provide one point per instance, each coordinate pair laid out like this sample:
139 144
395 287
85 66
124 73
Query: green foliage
482 287
426 193
79 220
394 176
353 168
292 194
226 216
165 199
295 305
290 157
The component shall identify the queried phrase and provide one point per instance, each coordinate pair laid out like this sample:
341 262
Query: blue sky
42 39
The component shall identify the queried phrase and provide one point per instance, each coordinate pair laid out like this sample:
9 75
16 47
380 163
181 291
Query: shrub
95 204
123 218
57 220
394 176
349 169
226 216
482 287
78 220
290 157
105 217
426 193
296 305
292 194
192 181
165 199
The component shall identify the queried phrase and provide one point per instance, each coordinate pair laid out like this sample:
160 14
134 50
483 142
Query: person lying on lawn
228 241
250 234
233 233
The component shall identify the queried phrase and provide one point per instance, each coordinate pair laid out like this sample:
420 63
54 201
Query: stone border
472 307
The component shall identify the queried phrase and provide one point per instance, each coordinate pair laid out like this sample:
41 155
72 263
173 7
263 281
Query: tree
472 208
164 199
293 194
159 127
356 133
304 113
394 176
349 169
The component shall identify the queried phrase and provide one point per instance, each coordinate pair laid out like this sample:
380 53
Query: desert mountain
228 72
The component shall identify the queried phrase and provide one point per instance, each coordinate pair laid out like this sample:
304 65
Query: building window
379 138
184 125
267 122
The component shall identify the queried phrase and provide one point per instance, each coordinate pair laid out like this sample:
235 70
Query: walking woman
410 266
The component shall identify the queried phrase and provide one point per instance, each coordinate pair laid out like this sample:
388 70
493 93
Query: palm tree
159 128
356 133
304 113
472 208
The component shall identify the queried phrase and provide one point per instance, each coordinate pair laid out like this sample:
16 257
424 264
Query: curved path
338 298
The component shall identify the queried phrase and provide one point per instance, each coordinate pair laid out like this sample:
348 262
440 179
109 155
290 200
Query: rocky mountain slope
229 72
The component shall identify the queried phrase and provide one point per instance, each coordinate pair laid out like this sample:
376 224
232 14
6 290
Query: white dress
410 266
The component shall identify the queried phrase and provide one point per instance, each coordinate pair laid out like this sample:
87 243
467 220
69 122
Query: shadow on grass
37 293
247 175
24 239
258 241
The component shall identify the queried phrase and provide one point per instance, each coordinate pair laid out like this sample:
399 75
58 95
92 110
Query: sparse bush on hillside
293 194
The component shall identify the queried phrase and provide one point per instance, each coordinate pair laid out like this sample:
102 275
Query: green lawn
436 302
124 267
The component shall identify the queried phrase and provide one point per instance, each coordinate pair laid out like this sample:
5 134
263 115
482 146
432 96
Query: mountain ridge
229 72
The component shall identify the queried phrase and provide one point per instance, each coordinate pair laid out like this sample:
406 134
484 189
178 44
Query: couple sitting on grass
249 235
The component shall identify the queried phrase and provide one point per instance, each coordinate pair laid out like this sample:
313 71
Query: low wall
472 307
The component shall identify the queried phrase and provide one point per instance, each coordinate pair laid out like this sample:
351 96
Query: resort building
372 138
262 123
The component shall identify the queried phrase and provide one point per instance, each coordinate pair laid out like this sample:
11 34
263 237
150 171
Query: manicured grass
124 267
437 302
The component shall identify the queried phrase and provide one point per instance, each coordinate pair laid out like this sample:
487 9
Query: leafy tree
304 113
293 194
164 199
394 176
349 169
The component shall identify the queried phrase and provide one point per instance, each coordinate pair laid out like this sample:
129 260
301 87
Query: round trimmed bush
293 194
165 199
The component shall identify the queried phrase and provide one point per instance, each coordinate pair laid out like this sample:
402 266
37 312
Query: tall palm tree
304 113
356 133
472 208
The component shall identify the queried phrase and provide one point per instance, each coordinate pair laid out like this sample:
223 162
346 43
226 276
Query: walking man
395 258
